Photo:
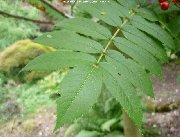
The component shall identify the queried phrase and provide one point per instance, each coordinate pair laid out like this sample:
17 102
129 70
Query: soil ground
167 97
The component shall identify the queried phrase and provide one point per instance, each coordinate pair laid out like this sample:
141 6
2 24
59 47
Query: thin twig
54 8
24 18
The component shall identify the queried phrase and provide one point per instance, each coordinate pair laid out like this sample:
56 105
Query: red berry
164 5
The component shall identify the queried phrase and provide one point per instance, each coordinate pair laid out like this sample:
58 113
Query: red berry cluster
164 4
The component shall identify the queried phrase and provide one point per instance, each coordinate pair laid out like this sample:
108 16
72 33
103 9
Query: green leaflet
147 14
145 42
86 27
128 4
131 70
155 30
124 92
103 11
122 11
138 54
59 59
79 91
68 40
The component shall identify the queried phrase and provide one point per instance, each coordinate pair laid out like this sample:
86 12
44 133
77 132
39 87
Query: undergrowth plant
132 52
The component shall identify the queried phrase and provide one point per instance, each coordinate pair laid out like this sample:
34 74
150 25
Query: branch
54 8
24 18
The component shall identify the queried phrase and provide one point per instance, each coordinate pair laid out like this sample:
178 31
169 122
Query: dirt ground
166 117
167 97
38 125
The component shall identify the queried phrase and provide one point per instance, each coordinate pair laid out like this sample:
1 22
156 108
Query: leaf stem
111 39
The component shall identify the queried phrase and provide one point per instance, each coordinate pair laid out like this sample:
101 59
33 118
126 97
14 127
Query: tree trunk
130 129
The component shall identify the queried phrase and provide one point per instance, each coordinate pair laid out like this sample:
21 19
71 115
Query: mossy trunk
130 129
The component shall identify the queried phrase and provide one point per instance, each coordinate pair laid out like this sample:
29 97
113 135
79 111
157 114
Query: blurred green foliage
14 29
19 100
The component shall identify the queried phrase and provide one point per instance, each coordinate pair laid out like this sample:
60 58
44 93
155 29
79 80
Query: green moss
15 57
